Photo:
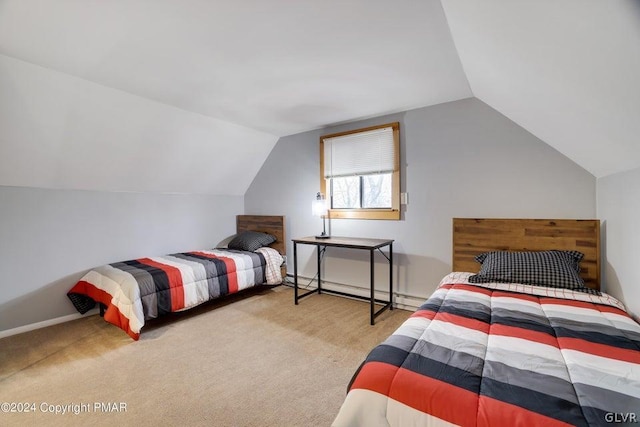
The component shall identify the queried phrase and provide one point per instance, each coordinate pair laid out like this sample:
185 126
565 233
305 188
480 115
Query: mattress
138 290
497 354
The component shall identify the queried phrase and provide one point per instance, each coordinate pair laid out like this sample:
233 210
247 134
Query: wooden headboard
271 224
473 236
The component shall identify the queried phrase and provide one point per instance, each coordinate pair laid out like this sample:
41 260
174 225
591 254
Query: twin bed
132 292
487 349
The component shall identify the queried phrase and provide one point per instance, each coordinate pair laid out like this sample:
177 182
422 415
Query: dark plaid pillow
251 241
556 269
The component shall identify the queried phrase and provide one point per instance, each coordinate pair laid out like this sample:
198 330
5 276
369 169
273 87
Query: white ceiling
566 70
278 66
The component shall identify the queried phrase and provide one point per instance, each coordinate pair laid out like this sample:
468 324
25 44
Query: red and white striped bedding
501 354
142 289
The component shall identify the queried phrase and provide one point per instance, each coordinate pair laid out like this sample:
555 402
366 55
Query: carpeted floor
250 360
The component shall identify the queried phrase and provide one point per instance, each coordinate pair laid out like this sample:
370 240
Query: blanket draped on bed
502 354
141 289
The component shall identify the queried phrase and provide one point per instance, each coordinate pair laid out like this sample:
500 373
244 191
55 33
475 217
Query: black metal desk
353 243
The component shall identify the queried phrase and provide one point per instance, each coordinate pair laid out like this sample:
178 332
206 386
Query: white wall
461 159
618 207
50 238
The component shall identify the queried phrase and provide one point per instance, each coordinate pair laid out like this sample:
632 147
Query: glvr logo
621 417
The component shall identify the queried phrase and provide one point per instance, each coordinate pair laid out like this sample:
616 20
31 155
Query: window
360 172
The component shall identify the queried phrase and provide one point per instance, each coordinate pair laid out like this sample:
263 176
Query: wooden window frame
363 213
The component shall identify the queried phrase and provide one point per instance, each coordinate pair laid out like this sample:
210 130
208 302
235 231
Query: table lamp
319 208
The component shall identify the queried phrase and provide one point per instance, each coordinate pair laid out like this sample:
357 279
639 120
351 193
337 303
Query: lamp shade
319 205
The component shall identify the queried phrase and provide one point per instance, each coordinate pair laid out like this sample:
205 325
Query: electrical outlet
404 198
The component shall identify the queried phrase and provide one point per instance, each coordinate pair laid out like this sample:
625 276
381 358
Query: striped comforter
138 290
502 355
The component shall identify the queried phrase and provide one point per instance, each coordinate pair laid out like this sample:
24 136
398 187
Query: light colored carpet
250 360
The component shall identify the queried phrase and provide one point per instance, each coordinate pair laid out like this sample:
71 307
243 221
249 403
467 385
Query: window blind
359 153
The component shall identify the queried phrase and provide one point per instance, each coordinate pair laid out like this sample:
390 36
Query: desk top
345 242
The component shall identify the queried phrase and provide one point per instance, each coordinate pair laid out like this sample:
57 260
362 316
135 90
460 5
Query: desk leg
319 272
373 285
391 276
295 273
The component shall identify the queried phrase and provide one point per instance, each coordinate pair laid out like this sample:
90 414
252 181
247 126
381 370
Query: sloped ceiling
179 96
565 70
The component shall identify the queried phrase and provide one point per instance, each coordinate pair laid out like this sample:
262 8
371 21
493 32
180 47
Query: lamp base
323 236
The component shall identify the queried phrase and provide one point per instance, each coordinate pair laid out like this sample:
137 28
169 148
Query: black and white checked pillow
556 269
250 241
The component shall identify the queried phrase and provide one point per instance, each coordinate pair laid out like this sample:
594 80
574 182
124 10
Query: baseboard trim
400 300
45 323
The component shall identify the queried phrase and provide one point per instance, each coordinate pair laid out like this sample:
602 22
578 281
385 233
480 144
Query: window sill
389 214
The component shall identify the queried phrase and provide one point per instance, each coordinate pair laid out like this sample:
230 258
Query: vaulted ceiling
92 92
